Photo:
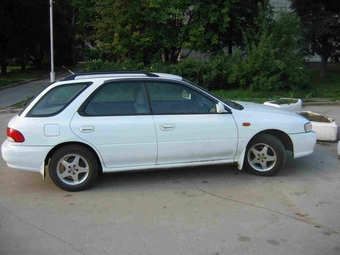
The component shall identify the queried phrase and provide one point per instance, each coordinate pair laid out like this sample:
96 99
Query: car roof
119 74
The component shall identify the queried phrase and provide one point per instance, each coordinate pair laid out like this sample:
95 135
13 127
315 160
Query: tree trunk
23 62
323 67
3 63
230 48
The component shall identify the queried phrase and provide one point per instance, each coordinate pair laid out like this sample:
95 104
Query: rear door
116 120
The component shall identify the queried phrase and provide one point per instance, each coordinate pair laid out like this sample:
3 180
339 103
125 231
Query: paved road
206 210
13 95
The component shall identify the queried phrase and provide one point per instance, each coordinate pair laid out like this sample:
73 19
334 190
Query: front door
188 127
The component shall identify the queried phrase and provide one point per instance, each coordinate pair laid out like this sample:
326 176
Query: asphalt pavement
201 210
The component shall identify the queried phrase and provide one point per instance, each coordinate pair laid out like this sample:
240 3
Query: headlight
308 127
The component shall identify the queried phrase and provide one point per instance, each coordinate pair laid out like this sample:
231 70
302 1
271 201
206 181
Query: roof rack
106 74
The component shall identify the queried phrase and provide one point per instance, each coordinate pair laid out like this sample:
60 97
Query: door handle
86 129
167 127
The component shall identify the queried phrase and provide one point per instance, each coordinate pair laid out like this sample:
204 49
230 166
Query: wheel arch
52 151
282 136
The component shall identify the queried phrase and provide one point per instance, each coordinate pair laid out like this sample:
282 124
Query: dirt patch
315 117
285 101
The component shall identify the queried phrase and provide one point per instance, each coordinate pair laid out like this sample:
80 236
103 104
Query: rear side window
55 100
117 98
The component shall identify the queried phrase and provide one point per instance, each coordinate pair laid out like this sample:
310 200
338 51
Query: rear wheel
73 168
265 155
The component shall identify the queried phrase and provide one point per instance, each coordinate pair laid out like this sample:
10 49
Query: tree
85 15
273 59
322 20
24 30
146 30
64 24
138 29
6 31
221 24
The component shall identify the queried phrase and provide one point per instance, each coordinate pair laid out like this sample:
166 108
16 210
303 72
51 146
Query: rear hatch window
56 100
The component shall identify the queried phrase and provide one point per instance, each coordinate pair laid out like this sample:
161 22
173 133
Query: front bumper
303 144
28 158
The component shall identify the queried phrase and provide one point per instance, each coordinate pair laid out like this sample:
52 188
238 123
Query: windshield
228 102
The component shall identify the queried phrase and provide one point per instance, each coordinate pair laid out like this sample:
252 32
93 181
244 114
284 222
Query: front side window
174 98
118 98
55 100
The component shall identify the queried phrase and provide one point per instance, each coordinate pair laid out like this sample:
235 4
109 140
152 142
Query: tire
265 155
73 168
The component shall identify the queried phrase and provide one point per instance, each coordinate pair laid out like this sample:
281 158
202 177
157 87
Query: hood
249 107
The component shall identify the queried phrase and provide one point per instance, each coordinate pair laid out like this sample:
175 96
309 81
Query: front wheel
73 168
265 155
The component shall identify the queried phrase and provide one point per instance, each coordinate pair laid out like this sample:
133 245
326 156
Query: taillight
14 135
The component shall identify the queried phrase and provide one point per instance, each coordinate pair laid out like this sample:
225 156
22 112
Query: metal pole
52 73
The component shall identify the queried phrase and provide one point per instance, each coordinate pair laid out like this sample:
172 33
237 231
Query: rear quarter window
57 99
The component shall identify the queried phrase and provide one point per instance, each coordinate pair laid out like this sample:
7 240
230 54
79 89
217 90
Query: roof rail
106 73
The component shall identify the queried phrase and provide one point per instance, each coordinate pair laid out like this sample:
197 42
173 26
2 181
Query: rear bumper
303 144
28 158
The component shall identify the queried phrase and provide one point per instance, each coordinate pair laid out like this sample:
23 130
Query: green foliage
191 68
211 74
274 60
141 30
154 30
100 65
321 21
218 71
220 24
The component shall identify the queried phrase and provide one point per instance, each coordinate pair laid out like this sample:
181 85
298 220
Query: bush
274 60
100 65
190 68
211 74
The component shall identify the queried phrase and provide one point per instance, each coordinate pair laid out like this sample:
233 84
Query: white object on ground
325 131
293 107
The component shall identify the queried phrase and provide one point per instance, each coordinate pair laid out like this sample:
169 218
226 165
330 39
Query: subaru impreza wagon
92 123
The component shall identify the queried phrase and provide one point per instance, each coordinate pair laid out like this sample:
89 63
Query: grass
329 89
15 75
23 103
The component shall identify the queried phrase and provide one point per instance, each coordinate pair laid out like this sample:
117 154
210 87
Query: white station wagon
92 123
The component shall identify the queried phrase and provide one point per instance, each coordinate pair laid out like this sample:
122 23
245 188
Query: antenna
68 70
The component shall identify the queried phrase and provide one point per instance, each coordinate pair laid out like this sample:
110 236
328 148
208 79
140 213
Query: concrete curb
320 102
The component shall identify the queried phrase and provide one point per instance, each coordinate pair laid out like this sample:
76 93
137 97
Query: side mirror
220 108
186 95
